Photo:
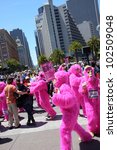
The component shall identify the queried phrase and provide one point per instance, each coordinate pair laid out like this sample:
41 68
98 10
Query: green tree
75 46
13 65
94 44
57 56
42 59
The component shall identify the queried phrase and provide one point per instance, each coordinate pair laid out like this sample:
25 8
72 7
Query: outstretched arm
66 100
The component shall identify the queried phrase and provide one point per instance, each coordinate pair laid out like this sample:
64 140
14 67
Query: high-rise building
21 52
55 29
86 29
46 30
18 33
37 45
85 10
69 29
8 48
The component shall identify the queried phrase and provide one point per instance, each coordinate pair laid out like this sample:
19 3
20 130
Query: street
43 136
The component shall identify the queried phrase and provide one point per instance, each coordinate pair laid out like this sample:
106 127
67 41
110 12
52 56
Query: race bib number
93 94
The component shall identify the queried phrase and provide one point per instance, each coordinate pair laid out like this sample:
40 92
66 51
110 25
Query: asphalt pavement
43 136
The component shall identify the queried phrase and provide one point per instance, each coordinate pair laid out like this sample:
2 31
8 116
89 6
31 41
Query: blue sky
21 14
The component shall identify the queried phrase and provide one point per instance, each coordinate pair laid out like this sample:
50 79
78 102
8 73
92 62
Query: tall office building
8 48
55 29
69 29
21 52
85 10
17 33
37 44
86 28
46 30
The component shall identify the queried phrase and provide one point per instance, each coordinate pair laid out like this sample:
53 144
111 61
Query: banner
49 70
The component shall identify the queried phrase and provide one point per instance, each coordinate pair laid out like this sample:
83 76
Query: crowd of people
72 88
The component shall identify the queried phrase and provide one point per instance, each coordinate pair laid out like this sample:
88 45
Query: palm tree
94 44
75 46
13 64
42 59
57 56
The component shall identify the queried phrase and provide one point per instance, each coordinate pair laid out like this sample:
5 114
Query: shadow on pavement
5 140
2 128
58 117
39 111
92 145
21 118
38 124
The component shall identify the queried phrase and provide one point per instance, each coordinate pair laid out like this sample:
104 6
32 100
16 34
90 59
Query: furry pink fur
67 102
75 79
90 89
76 69
36 93
41 75
3 100
41 88
61 77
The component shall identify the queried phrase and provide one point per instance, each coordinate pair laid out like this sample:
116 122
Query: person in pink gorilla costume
41 87
34 83
62 67
1 109
90 89
67 102
75 78
3 101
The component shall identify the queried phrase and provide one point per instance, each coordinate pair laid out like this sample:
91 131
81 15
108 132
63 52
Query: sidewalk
44 136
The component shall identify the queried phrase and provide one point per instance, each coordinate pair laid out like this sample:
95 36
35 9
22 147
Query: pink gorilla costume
69 108
90 89
34 83
41 88
36 93
3 100
75 79
62 67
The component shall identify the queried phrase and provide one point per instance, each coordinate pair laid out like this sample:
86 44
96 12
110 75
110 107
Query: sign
93 94
48 70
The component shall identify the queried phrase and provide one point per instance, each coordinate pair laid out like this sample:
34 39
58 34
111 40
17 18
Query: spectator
10 89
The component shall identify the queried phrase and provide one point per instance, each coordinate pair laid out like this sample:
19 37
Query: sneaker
49 117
